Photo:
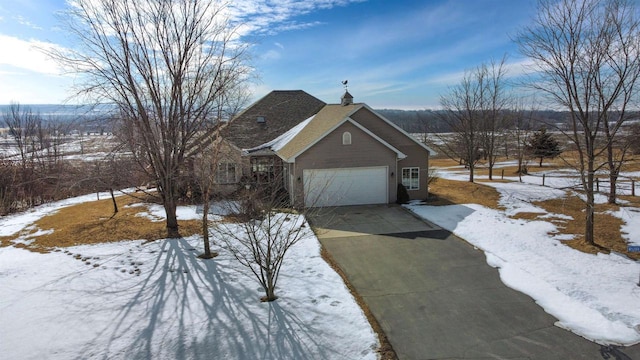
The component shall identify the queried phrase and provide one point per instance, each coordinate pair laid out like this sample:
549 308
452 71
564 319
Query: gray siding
330 153
417 156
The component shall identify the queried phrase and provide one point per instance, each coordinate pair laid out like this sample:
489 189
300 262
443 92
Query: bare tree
494 106
169 66
475 110
57 131
618 151
520 132
261 235
461 113
587 61
23 126
205 165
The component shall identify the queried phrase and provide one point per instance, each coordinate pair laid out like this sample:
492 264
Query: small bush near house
403 195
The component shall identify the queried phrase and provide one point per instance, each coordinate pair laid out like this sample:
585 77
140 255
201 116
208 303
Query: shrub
403 195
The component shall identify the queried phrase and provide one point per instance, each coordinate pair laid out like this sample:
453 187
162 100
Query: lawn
137 298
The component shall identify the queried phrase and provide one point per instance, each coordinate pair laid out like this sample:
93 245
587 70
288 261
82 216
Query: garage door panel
347 186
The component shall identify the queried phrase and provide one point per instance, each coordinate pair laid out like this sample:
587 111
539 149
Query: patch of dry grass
94 222
606 229
447 192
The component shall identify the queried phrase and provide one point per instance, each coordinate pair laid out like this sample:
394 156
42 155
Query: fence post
543 177
633 187
597 185
502 177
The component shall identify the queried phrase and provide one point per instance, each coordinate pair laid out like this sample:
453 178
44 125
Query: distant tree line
431 121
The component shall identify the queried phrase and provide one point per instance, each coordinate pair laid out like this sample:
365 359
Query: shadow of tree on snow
183 307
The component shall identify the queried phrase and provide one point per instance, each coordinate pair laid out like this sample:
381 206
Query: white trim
410 168
399 153
431 151
346 138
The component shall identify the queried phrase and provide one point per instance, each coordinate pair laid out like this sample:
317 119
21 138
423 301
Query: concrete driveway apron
435 296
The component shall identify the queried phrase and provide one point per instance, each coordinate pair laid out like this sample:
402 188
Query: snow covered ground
130 300
158 300
595 296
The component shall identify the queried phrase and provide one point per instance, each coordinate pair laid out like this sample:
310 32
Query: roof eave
430 150
399 153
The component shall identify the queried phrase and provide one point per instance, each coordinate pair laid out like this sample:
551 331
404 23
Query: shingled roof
295 141
329 117
271 116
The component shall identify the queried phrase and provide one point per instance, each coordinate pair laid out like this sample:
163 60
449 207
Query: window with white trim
346 138
226 173
411 178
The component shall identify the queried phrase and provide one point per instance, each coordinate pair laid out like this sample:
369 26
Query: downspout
292 193
427 176
395 186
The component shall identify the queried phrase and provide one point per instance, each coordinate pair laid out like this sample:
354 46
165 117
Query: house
344 154
267 118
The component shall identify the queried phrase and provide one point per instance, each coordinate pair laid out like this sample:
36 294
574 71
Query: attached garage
347 154
346 186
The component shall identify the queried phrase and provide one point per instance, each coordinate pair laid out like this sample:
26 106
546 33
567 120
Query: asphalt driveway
435 296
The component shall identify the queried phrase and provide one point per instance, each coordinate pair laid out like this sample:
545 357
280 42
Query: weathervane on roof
344 82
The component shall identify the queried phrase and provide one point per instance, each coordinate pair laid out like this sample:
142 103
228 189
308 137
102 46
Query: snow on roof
279 142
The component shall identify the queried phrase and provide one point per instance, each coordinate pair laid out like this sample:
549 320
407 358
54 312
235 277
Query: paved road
435 296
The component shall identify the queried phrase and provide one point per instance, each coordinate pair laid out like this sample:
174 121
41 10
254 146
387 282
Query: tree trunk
542 158
270 290
167 189
471 170
589 217
115 204
613 171
172 219
205 224
613 181
589 210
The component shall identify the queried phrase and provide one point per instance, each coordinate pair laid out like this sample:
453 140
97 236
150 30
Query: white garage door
349 186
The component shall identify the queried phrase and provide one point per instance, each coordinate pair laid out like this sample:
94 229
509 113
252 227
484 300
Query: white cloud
513 70
448 79
519 67
26 54
271 55
259 17
33 88
23 21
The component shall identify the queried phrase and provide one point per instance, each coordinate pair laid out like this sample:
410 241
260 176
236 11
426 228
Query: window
262 169
261 120
411 178
346 138
226 173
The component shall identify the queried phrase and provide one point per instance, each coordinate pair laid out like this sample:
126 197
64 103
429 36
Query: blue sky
395 54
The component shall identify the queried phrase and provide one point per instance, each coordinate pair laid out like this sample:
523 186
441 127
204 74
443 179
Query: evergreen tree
542 145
